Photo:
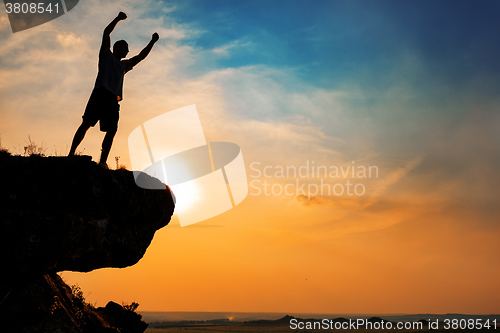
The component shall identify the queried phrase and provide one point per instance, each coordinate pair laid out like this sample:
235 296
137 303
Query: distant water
150 316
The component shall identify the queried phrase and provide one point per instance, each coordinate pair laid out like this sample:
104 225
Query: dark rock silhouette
277 322
60 213
126 321
376 320
44 303
340 320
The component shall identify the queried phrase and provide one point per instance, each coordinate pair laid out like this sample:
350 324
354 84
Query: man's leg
106 146
79 135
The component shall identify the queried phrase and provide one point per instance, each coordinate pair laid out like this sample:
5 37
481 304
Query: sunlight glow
187 196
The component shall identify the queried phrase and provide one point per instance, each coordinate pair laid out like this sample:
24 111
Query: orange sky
275 255
422 239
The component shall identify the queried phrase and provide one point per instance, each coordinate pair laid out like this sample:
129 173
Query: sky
409 88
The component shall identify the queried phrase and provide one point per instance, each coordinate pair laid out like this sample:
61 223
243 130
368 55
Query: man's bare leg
106 146
79 135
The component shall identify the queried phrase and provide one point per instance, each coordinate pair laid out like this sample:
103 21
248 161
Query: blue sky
408 86
331 43
394 76
407 61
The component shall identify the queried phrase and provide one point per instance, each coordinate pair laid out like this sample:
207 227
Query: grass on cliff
88 310
78 294
3 150
31 148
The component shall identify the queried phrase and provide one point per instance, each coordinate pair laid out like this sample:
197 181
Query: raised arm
145 51
106 40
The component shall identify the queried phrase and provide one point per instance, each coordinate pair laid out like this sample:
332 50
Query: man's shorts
103 107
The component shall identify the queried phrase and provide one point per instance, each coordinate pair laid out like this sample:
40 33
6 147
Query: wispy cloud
225 49
392 178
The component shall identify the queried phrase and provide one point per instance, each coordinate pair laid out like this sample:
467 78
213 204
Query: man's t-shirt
111 73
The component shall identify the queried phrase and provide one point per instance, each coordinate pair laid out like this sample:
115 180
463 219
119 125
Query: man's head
120 49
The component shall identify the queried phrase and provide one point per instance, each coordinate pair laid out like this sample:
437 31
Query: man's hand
106 41
122 16
145 51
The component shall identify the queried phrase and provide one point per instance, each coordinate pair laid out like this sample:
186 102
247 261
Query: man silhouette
103 102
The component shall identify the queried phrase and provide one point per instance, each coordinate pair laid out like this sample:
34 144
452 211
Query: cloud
311 200
48 71
4 23
420 147
392 178
69 39
224 49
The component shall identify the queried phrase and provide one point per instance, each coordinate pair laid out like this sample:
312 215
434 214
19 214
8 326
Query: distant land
151 316
247 322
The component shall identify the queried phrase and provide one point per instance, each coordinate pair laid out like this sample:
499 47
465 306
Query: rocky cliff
60 213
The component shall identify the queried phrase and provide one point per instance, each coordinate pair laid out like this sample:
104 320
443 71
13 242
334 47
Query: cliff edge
61 213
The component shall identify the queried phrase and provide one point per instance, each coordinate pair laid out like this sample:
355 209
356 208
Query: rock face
46 304
60 213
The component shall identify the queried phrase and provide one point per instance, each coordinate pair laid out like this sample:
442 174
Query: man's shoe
104 165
